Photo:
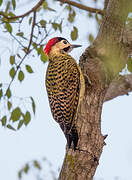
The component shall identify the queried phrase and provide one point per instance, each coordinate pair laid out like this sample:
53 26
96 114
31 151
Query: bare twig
23 15
27 50
83 7
32 30
17 40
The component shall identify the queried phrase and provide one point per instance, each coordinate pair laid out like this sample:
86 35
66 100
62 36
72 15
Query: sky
43 137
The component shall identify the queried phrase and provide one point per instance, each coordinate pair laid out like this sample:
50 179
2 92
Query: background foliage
29 42
29 32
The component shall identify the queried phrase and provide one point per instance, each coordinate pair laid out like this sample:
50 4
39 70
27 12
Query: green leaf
90 14
40 50
45 5
29 69
33 105
20 34
11 14
14 4
36 164
71 16
7 6
20 124
68 7
55 26
20 76
1 93
1 1
0 84
4 120
20 174
91 38
12 72
96 17
34 45
30 20
15 115
60 28
129 65
9 104
12 60
43 23
74 33
8 27
43 57
27 118
10 127
8 93
26 168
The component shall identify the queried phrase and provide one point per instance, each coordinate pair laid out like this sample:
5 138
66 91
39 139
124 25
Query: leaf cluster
38 168
31 44
15 117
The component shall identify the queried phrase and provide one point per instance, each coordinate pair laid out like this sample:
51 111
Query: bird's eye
65 42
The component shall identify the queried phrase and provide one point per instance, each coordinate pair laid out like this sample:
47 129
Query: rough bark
82 163
105 4
100 63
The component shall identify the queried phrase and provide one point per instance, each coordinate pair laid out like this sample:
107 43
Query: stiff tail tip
72 137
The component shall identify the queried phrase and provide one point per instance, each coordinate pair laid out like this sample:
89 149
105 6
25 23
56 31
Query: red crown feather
50 43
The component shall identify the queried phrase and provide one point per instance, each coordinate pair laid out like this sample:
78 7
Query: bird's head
58 45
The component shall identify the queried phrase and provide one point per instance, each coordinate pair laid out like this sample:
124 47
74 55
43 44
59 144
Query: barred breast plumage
63 87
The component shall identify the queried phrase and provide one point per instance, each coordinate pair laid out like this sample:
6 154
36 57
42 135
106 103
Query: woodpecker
65 86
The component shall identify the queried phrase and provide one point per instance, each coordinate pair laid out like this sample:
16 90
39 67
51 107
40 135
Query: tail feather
72 137
70 134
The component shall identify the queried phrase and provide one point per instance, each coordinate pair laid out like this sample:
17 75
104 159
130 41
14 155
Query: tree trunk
100 64
82 163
